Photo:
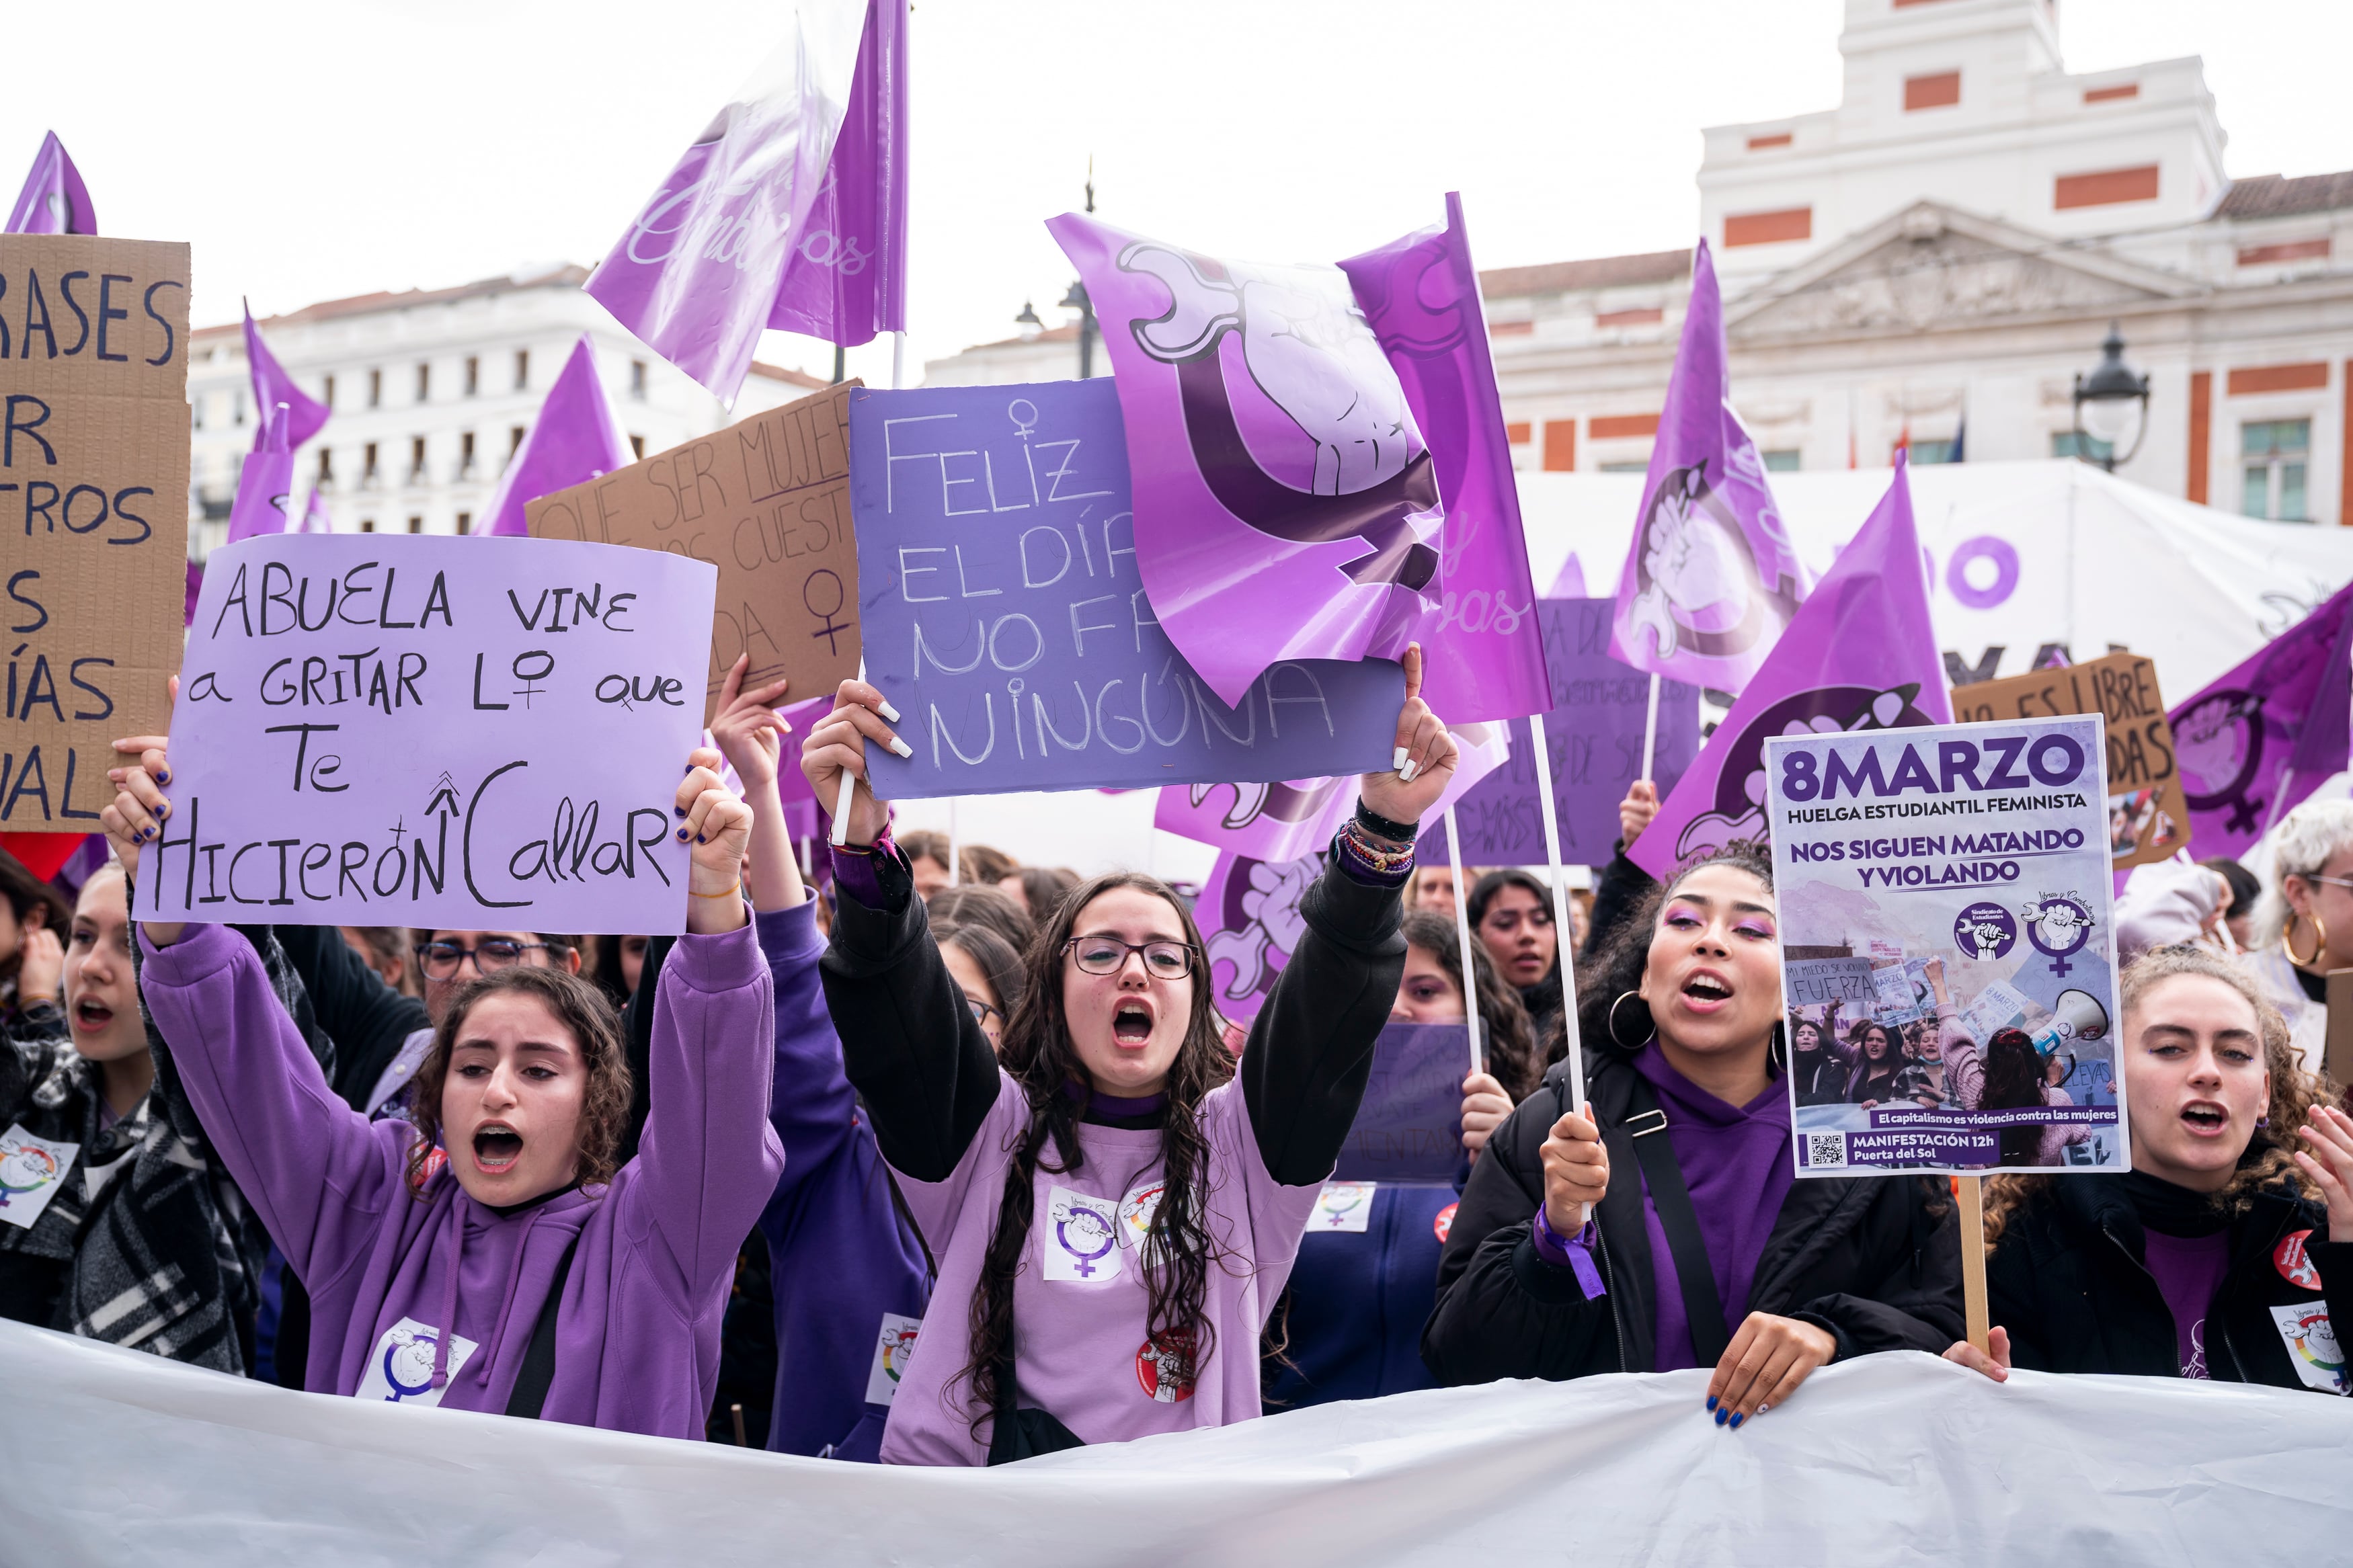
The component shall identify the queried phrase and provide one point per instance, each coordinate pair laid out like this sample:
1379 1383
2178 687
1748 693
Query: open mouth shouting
1706 991
497 1148
92 1016
2206 1119
1131 1025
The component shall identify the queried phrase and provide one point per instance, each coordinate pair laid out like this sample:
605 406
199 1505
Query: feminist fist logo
1985 931
2218 743
25 1168
1697 585
2058 927
1262 923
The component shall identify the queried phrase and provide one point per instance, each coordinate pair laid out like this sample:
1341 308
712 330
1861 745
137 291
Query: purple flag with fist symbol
731 244
1860 655
1292 430
54 200
573 440
1710 580
271 386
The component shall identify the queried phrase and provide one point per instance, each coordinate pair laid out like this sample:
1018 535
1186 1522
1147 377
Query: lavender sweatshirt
637 1327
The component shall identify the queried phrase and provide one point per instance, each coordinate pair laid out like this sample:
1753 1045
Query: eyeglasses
442 960
982 1012
1108 956
2332 881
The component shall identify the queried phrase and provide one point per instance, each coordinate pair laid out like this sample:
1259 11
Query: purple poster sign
1409 1128
434 732
1005 617
1596 735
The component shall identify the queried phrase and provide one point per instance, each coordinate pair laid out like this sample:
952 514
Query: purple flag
1860 655
314 516
1250 919
2263 737
1285 820
1710 580
1285 502
272 386
573 440
1570 583
1484 658
266 482
846 278
195 585
701 268
54 200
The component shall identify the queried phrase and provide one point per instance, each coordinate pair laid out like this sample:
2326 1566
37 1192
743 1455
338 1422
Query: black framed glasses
443 960
982 1012
1108 954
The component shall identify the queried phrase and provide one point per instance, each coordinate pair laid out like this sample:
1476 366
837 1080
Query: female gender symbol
1085 1260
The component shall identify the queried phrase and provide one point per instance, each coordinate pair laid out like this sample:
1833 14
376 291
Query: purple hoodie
637 1328
847 1273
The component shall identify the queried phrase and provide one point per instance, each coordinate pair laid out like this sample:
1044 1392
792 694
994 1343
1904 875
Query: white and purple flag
1711 580
54 200
1283 821
265 481
573 441
1860 655
2264 736
1291 431
271 386
708 262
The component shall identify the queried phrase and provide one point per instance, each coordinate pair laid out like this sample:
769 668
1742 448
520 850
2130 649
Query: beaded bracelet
1387 862
1373 821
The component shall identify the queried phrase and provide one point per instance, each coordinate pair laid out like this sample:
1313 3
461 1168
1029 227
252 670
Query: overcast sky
333 147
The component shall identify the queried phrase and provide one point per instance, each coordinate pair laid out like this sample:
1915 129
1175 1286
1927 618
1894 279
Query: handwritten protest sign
2148 810
423 732
767 501
1967 866
94 440
1596 737
1410 1126
1005 616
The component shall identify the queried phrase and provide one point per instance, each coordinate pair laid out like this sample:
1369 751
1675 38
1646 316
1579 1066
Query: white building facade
431 391
1936 259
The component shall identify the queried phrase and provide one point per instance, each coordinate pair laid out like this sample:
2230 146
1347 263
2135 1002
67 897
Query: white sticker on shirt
2312 1345
890 1354
1135 1212
1081 1238
31 1170
400 1368
1344 1206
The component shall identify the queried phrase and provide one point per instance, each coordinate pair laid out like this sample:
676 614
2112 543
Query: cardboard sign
1968 862
1409 1125
469 733
1596 738
1005 619
2148 813
767 501
93 512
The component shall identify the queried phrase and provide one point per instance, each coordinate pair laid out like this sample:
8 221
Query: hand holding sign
1425 759
719 825
1484 1107
1577 1172
747 728
837 746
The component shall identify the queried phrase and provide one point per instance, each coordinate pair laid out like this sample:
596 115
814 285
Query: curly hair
594 1027
2269 1160
1039 1057
1504 1029
1614 964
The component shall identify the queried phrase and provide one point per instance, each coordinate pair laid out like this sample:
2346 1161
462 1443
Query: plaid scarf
155 1245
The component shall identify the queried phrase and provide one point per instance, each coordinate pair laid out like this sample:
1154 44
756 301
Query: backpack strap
1647 1128
539 1362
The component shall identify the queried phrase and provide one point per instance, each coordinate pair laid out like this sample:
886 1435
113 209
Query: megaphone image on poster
1967 866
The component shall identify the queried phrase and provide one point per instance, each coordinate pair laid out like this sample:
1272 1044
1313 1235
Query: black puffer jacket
2068 1280
1861 1258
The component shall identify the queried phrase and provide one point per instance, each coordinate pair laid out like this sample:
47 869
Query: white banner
115 1456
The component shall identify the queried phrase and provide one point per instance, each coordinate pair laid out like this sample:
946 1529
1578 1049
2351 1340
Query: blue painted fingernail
163 775
1721 1416
1738 1419
1711 1402
164 809
679 809
698 838
681 835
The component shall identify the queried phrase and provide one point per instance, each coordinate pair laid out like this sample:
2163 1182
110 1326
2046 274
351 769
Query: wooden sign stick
1974 1313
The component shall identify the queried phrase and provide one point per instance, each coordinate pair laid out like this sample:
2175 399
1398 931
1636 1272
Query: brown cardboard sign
2148 819
767 501
93 512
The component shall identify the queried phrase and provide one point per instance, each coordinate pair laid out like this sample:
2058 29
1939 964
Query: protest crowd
855 1142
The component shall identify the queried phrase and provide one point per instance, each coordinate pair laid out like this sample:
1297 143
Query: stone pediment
1932 265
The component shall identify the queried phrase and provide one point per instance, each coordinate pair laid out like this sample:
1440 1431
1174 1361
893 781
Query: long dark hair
995 956
1613 966
1504 1027
1038 1055
581 1009
2013 1080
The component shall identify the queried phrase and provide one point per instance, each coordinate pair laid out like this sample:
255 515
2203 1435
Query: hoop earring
2319 939
1647 1028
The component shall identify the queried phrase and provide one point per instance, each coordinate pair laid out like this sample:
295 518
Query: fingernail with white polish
1406 773
1398 763
900 748
888 711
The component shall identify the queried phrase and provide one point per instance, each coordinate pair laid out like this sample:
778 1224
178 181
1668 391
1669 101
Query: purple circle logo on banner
1984 547
1985 931
2058 927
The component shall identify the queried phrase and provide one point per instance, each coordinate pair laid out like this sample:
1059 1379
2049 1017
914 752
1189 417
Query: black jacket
1861 1258
366 1017
2067 1280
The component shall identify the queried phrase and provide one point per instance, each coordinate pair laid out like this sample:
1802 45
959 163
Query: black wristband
1381 826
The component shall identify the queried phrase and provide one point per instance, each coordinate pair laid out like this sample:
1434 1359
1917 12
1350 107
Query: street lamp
2110 403
1076 299
1028 321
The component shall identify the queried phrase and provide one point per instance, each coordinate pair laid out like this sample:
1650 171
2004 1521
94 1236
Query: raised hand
719 825
836 745
747 728
1575 1172
2326 1159
40 967
1425 758
1635 812
1485 1105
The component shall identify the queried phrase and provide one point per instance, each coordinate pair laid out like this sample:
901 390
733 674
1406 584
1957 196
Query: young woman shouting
519 1272
1118 1206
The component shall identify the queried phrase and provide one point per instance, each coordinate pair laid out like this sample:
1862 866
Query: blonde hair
2305 841
2270 1158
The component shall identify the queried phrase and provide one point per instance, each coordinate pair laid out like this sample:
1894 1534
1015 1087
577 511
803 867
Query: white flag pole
898 359
1561 927
1651 727
1462 937
955 847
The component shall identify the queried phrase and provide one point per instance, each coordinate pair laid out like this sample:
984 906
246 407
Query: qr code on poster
1825 1149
